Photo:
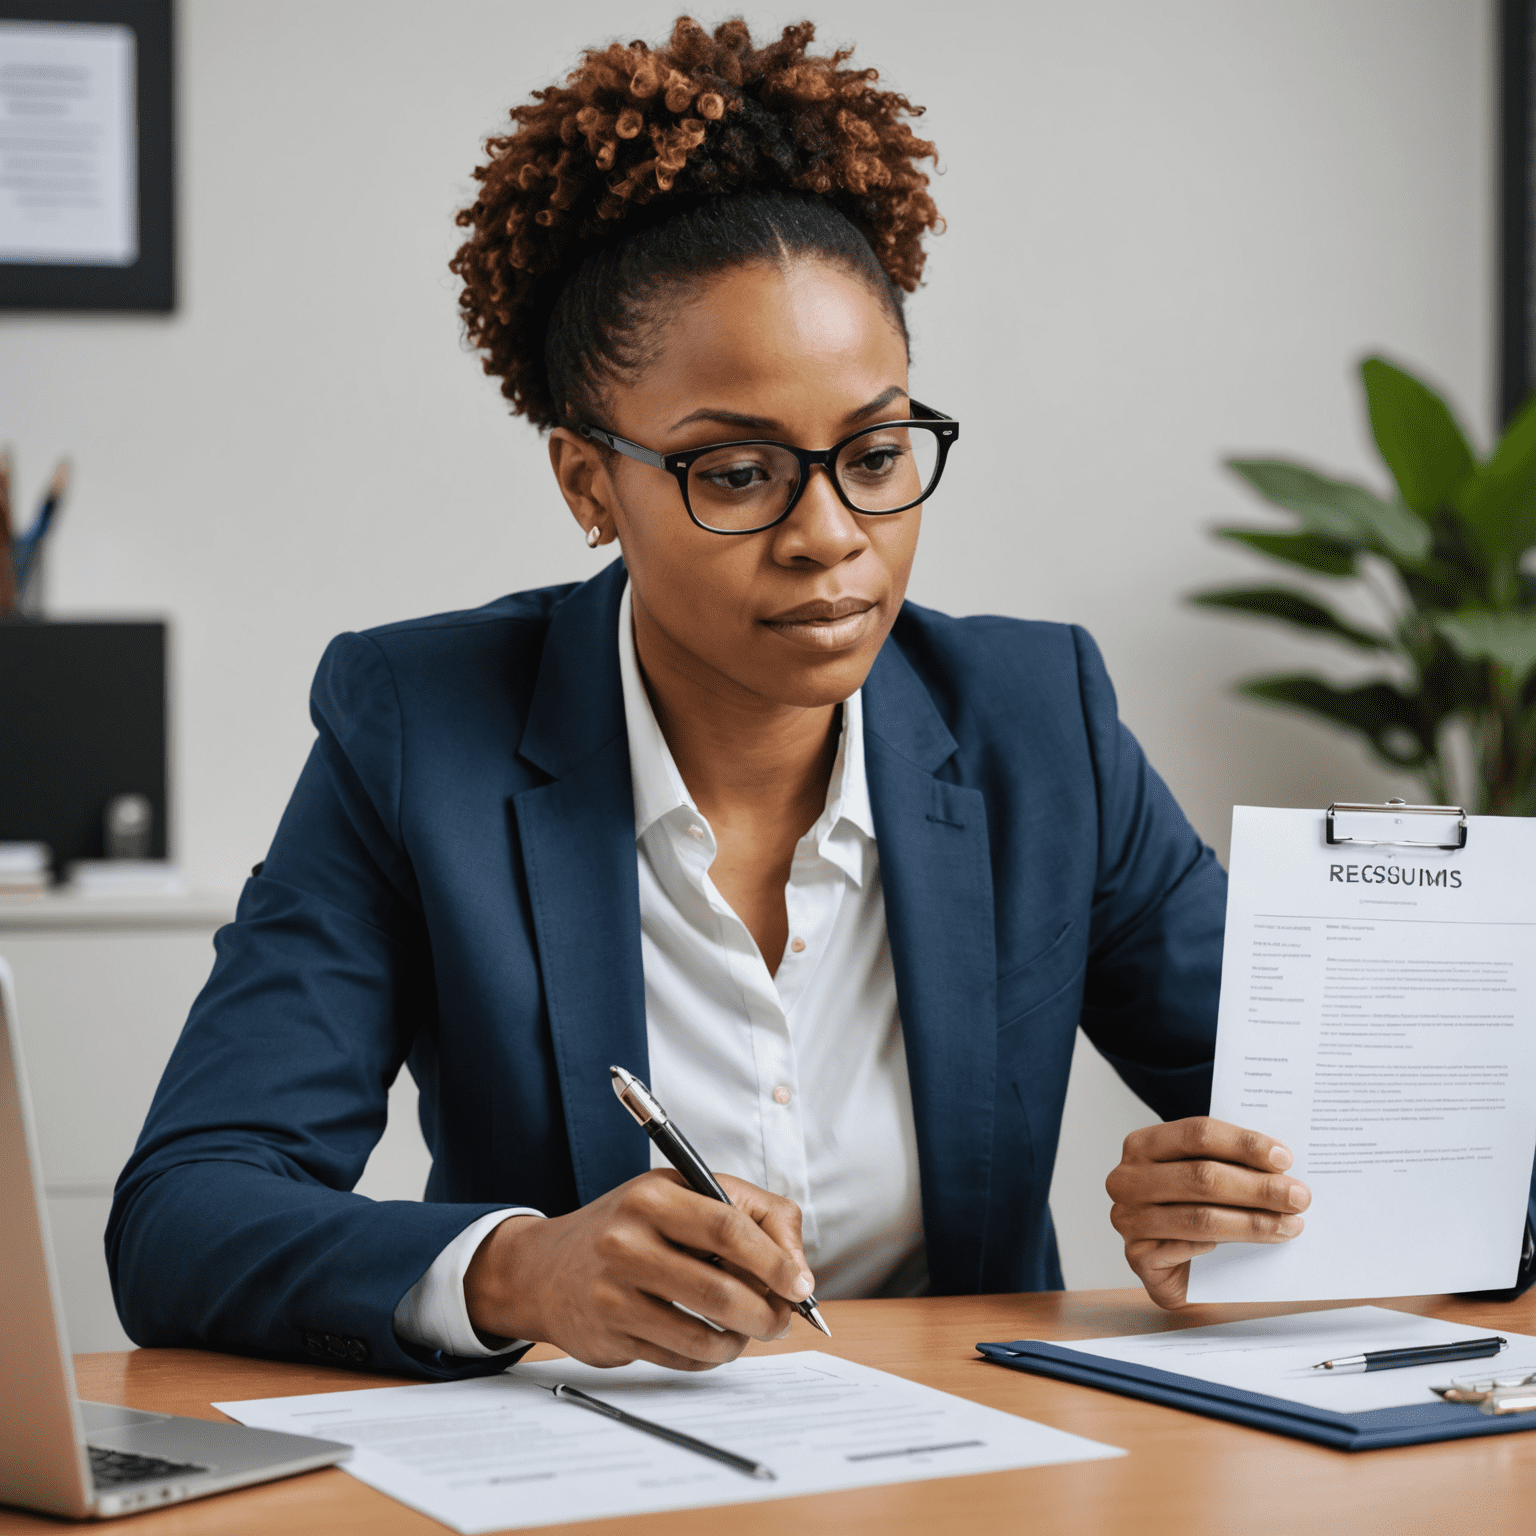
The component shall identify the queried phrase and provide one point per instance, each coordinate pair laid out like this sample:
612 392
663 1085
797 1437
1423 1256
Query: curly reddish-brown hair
637 136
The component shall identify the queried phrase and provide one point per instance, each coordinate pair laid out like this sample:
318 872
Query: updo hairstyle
654 167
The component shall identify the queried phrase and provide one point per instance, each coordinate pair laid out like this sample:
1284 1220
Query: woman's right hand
600 1282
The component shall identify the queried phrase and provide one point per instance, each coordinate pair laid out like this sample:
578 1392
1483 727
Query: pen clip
637 1098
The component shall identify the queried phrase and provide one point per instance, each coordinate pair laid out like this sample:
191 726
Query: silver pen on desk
570 1394
678 1150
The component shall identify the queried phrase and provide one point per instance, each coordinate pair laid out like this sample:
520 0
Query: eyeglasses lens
888 468
741 487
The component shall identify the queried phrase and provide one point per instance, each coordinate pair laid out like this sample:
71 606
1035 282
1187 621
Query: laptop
57 1453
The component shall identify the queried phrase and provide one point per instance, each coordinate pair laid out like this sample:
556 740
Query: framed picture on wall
87 165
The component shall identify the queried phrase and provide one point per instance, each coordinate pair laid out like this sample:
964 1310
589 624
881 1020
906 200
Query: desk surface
1185 1474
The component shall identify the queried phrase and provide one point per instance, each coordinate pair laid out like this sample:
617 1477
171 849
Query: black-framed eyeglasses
753 484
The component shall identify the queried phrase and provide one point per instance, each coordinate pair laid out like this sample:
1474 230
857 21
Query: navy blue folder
1368 1431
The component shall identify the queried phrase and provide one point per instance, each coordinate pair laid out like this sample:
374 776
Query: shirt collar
845 831
659 788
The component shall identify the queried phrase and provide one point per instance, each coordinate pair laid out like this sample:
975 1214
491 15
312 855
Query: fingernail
804 1286
784 1332
1281 1157
1291 1225
1301 1196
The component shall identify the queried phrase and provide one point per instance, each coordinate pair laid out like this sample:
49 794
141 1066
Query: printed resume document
502 1452
1378 1016
1274 1356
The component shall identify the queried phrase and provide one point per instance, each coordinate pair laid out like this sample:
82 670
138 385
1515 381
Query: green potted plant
1443 564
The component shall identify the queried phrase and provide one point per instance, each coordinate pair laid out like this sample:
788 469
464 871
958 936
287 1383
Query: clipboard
1447 822
1371 1430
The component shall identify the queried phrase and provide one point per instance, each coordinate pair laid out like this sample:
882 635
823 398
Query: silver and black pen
676 1148
1423 1354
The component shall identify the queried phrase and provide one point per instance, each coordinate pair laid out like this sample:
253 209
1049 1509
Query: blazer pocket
1040 978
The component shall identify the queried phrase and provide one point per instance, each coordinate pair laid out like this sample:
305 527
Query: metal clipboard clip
1452 818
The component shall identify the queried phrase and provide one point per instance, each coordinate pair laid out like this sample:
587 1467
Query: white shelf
103 987
58 912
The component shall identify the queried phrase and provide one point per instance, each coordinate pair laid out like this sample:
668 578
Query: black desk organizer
82 720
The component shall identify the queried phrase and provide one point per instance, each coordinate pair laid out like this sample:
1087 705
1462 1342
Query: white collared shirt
795 1079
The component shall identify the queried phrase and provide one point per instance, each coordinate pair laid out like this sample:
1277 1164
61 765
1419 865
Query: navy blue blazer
453 885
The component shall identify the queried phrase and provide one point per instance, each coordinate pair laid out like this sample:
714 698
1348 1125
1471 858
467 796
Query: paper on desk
1275 1355
501 1452
1378 1016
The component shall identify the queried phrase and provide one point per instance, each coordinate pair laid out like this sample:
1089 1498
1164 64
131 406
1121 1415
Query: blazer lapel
578 843
936 871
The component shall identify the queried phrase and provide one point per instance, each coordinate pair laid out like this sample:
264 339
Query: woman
839 875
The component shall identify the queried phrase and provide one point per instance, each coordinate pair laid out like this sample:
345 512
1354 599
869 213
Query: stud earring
594 533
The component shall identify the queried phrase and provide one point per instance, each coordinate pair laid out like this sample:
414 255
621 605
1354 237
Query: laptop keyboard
111 1469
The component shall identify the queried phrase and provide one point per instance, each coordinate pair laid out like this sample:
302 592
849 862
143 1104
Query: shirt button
696 833
798 945
781 1095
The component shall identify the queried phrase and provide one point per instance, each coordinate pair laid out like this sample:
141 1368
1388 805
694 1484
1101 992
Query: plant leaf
1308 550
1292 608
1417 437
1398 532
1338 509
1506 638
1385 716
1499 501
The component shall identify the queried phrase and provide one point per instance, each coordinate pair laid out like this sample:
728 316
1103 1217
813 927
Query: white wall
1173 228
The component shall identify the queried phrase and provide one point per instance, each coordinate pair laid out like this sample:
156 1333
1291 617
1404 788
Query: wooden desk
1185 1474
